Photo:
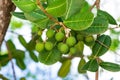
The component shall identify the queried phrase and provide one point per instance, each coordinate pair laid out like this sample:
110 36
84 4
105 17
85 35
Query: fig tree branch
96 75
97 4
48 15
10 58
6 6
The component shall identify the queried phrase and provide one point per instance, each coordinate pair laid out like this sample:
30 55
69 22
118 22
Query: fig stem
48 15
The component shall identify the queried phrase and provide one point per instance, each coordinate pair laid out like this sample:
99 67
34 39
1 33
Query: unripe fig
71 41
64 48
59 45
48 46
50 33
73 50
89 40
59 36
39 47
39 32
80 37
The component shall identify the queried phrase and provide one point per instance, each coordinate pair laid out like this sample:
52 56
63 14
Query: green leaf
79 47
80 65
22 40
91 65
114 46
64 69
33 56
108 16
50 1
31 44
57 8
99 25
37 17
101 45
25 6
10 45
3 77
4 59
110 66
20 63
18 54
82 20
49 57
19 15
74 6
15 24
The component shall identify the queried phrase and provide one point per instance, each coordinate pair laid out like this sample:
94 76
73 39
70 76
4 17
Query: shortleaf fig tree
70 25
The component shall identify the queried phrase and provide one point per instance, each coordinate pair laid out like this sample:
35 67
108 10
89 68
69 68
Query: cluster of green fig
70 44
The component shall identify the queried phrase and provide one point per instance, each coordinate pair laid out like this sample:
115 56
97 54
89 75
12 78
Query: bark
6 6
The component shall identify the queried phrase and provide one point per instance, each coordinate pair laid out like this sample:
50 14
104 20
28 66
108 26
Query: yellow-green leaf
82 20
25 6
57 8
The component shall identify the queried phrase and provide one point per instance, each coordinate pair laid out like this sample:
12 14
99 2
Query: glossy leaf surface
101 45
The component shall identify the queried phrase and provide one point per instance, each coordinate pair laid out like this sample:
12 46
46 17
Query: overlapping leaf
37 17
57 8
100 25
19 15
49 58
73 7
25 5
80 21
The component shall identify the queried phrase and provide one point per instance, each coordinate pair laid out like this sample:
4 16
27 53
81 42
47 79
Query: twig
96 75
10 58
117 26
48 15
97 4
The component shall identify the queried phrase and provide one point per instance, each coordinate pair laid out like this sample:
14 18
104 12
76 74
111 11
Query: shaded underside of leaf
49 58
19 15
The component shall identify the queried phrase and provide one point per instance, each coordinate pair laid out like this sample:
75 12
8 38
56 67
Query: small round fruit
50 33
59 45
64 48
39 32
89 39
39 47
73 50
59 36
80 37
48 46
71 41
